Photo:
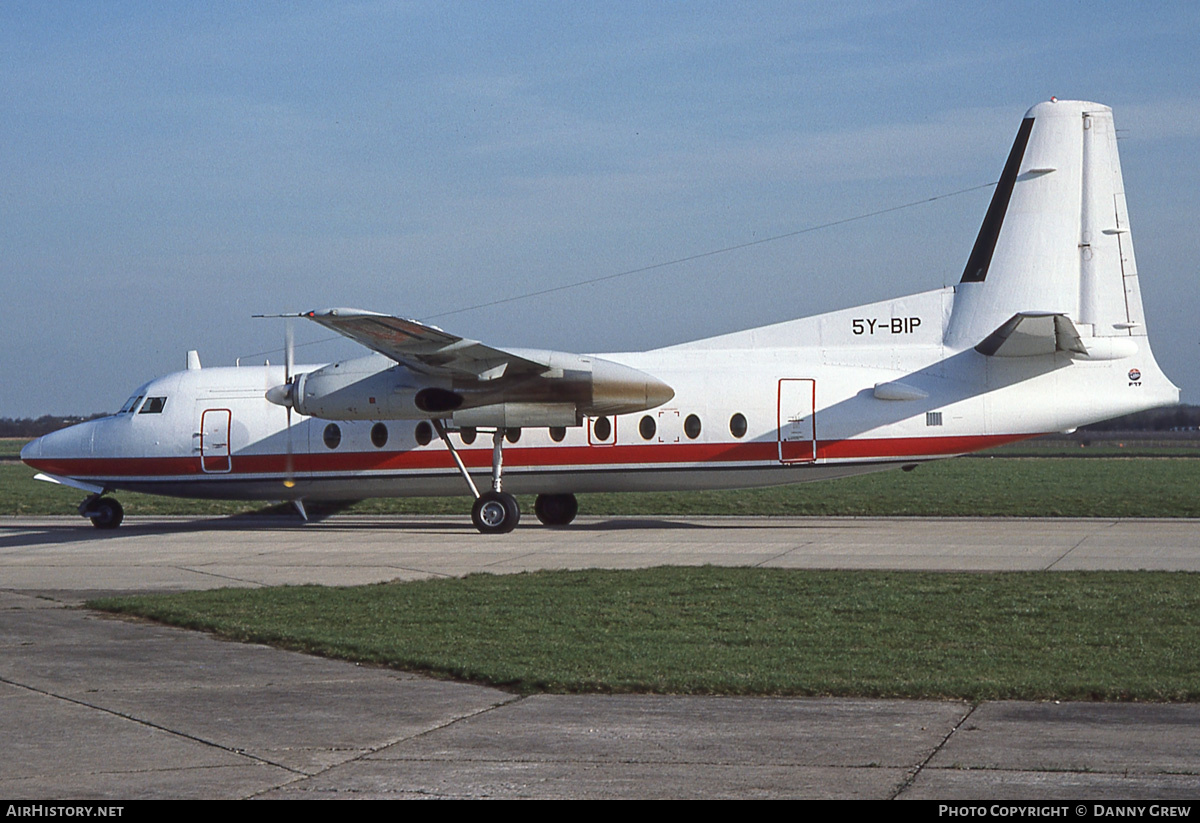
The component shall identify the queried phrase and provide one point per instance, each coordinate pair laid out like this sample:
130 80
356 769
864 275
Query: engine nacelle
369 389
377 388
518 415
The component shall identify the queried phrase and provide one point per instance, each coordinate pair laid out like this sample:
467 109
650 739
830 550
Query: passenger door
797 420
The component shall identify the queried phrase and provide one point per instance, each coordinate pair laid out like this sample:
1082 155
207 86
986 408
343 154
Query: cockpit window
131 404
153 405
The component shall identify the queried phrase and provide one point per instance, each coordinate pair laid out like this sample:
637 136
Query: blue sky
170 169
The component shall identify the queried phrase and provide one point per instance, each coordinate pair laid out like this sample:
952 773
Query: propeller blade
289 364
289 352
289 469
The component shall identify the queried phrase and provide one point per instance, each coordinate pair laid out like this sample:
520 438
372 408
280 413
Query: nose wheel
104 512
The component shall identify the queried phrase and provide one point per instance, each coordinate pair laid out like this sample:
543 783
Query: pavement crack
510 559
1069 551
912 778
150 725
783 554
217 576
367 752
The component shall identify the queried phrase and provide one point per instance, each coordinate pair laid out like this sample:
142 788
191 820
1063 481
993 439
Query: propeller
289 363
284 395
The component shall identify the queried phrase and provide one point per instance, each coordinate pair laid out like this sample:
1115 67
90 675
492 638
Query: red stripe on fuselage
565 457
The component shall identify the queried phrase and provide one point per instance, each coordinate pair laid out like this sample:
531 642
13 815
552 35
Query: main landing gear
496 511
104 512
556 509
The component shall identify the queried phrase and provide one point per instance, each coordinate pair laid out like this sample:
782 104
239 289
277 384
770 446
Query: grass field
1020 487
1137 445
1030 636
1015 487
1072 636
10 447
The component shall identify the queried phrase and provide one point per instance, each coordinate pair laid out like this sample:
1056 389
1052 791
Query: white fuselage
828 396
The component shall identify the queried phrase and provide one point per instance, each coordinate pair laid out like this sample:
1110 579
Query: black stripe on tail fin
989 232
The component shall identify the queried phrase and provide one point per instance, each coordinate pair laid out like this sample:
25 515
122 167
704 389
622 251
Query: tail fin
1055 240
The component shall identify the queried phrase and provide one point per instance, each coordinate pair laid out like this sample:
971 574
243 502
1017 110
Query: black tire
495 513
106 513
556 509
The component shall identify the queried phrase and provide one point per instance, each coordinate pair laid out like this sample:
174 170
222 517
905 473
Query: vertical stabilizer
1056 235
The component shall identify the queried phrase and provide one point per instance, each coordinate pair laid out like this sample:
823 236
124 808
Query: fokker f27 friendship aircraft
1044 333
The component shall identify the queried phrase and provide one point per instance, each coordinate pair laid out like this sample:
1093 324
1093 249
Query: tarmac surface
93 707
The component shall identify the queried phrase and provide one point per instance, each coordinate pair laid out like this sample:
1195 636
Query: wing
460 379
422 348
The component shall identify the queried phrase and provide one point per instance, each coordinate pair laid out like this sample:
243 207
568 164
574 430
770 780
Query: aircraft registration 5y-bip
1044 333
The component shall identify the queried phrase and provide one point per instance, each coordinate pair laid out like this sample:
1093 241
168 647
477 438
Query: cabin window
601 428
467 435
379 435
737 425
558 433
512 435
153 405
691 426
332 436
424 433
647 427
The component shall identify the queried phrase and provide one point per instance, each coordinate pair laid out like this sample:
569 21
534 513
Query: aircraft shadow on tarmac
70 530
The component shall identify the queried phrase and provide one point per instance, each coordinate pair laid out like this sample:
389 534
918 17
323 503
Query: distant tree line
36 427
1172 418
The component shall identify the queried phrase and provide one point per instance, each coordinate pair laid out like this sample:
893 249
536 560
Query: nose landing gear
104 512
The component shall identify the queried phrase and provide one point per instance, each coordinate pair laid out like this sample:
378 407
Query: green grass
1022 487
20 494
11 446
1030 636
1134 446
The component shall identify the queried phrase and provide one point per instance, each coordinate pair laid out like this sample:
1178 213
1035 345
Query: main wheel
106 513
495 513
556 509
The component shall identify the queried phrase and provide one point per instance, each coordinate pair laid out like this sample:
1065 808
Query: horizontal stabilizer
1027 334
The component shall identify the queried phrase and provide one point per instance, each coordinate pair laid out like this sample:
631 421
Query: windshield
133 402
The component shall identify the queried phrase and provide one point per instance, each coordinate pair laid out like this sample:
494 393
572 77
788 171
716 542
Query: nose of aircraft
45 452
31 450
